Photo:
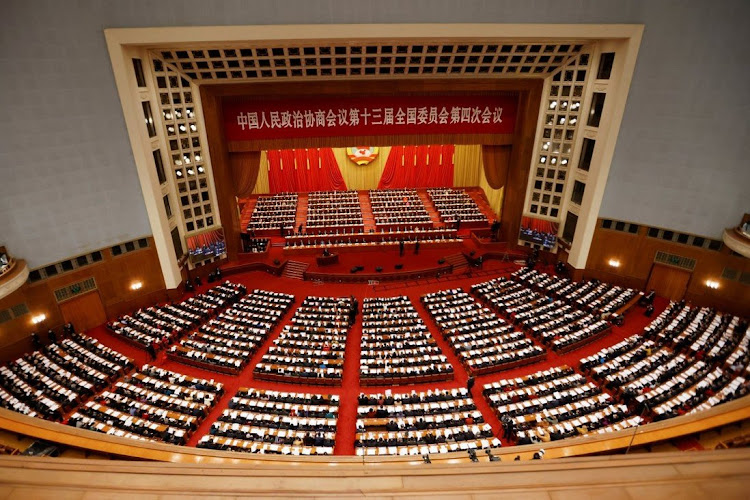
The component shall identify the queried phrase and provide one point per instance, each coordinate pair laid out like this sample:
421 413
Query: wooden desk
328 260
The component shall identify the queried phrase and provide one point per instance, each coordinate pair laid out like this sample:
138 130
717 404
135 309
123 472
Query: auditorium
344 249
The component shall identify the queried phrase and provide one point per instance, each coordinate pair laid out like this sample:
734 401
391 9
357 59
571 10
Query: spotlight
38 318
136 285
614 263
473 456
426 459
492 457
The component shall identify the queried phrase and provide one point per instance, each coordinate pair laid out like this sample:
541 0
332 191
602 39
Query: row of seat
396 347
455 205
274 212
483 341
288 423
311 347
227 342
159 325
49 383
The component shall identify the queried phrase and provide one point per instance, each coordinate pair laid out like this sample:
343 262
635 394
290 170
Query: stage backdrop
246 119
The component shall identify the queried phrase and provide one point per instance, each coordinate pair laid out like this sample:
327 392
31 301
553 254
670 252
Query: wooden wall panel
668 281
84 311
518 172
113 276
222 172
636 254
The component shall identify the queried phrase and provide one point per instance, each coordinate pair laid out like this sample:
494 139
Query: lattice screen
185 153
560 121
368 59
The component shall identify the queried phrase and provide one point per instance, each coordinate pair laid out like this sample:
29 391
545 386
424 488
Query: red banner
246 119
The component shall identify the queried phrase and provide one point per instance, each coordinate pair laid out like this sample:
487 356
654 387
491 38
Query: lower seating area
153 404
311 348
594 296
226 343
157 326
685 360
50 383
558 325
484 342
554 404
286 423
396 346
421 423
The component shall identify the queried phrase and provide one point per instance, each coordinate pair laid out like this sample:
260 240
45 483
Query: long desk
387 276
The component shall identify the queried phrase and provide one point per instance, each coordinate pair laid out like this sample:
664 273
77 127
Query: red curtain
418 167
303 170
539 225
205 239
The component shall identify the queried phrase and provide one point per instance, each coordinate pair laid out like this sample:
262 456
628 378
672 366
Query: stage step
459 263
301 215
367 218
247 212
295 270
480 198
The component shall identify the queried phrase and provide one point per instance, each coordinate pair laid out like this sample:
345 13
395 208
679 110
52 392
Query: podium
327 260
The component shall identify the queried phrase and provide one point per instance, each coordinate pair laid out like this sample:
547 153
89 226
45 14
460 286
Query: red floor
350 389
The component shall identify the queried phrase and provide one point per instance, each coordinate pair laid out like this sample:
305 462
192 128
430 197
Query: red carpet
350 389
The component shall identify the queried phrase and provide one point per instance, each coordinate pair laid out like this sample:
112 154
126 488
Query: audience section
484 342
227 343
157 326
273 214
52 382
311 348
421 423
153 404
456 207
285 423
554 404
396 347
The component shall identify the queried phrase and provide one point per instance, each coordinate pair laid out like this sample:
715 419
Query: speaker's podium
327 259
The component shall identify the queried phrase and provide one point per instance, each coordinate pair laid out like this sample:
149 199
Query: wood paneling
222 172
668 282
85 311
679 475
113 276
636 254
518 171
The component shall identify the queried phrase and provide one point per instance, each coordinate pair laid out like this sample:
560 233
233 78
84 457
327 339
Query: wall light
712 284
613 262
136 285
38 318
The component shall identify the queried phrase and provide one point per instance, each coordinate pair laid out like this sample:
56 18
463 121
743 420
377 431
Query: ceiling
294 61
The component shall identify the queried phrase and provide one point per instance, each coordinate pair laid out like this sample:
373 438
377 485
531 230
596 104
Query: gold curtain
245 167
361 177
469 171
467 163
261 184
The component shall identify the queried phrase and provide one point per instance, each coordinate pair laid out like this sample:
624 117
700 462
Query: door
85 311
668 281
